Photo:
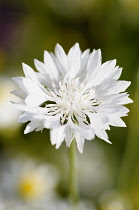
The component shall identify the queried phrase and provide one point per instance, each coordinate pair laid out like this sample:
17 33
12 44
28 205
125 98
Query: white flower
115 201
24 180
74 95
55 203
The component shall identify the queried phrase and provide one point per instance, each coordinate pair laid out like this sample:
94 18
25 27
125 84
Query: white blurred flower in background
23 181
8 115
27 185
14 205
53 204
112 200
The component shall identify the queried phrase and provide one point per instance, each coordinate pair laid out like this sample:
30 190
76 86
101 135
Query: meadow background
108 174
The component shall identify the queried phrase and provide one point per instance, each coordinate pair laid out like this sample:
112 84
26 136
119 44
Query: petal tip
108 141
57 46
23 64
25 132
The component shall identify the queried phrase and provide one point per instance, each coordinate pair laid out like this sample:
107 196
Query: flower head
73 95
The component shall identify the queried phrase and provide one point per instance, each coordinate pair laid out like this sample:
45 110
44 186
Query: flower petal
25 117
40 66
27 85
24 107
80 141
102 135
68 136
61 57
74 61
31 126
118 87
116 121
34 99
50 66
101 73
57 136
29 73
94 62
19 93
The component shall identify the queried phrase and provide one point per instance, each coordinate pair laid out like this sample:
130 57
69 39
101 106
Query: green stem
73 185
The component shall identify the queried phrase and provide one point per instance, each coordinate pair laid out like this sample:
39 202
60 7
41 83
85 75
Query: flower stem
73 185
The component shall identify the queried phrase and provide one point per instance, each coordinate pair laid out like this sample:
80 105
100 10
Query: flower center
31 185
72 101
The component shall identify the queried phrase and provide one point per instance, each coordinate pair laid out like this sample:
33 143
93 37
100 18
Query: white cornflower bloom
73 95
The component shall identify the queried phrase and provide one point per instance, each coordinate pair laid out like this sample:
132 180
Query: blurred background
33 174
